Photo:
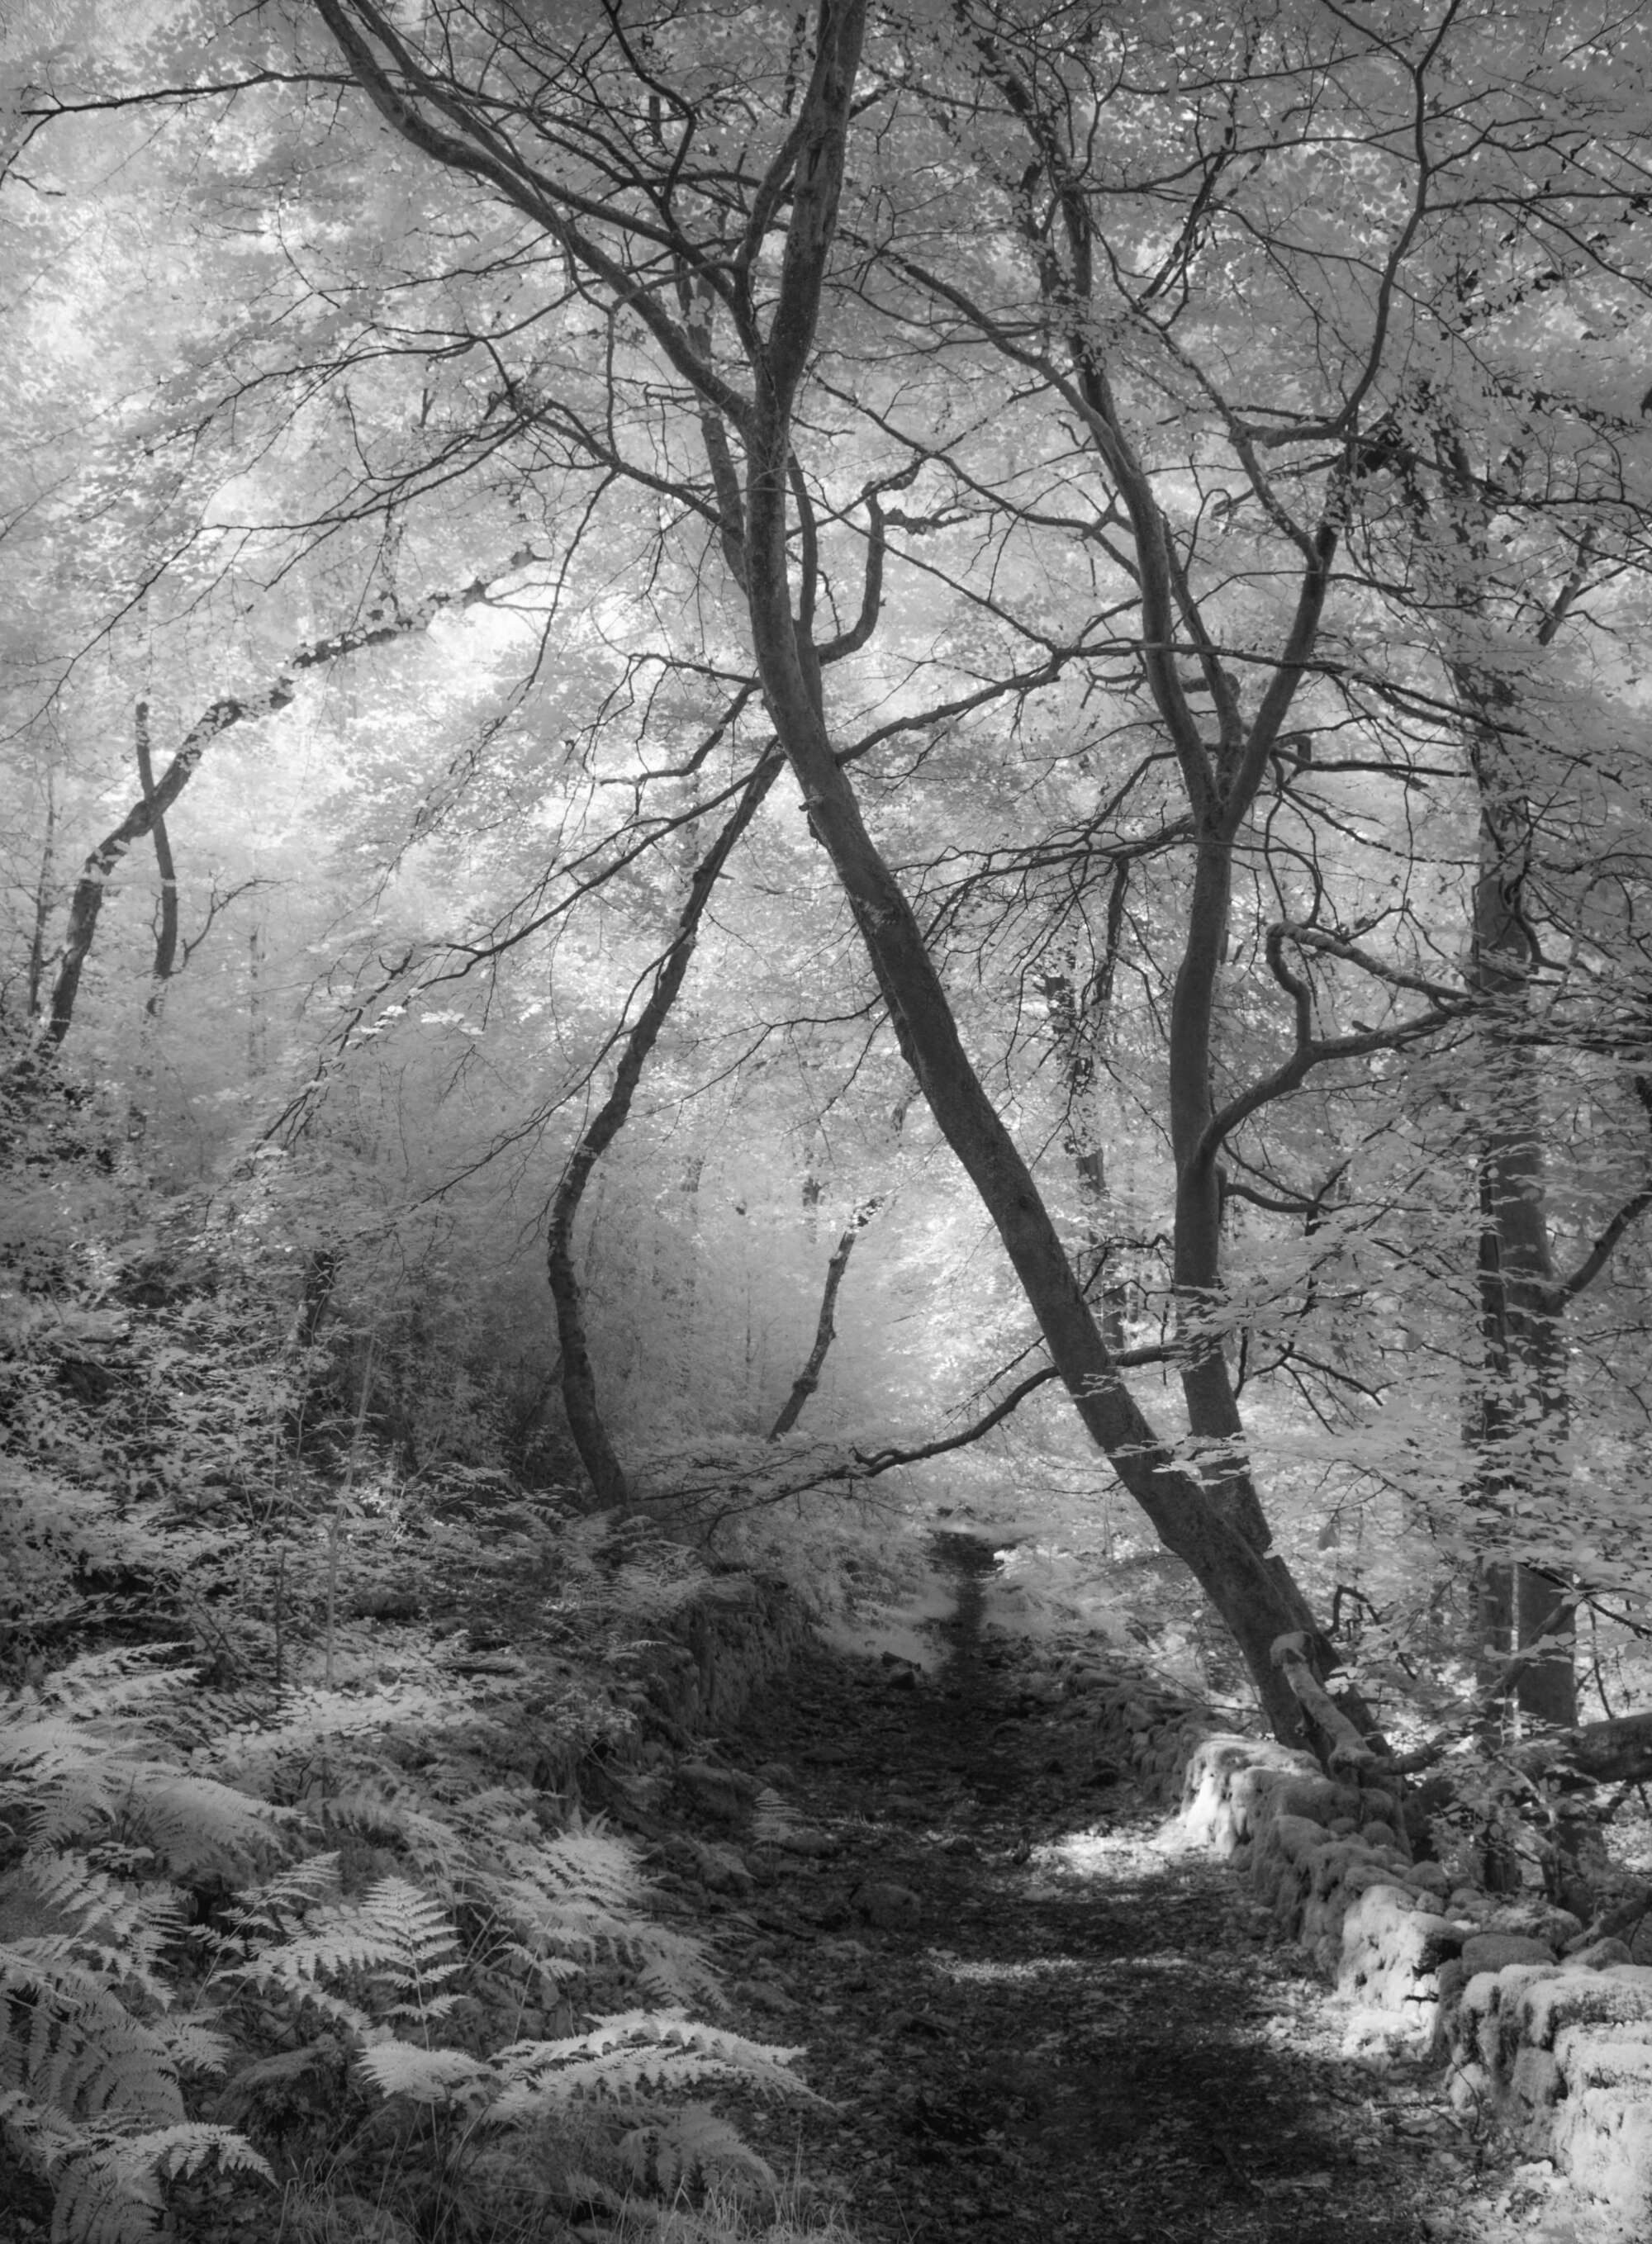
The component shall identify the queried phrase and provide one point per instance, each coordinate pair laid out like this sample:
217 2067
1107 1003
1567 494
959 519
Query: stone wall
1547 2035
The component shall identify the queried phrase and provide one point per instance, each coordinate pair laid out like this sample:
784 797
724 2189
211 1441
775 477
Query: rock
891 1907
764 1995
722 1868
717 1792
802 1841
1495 1951
1597 1955
1537 1922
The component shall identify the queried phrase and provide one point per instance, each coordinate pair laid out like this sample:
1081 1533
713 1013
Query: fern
64 1777
428 2075
110 2189
68 2042
636 2054
117 1928
397 1942
686 2147
571 1899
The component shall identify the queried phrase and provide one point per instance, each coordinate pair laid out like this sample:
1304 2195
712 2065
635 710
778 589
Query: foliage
270 1880
1218 501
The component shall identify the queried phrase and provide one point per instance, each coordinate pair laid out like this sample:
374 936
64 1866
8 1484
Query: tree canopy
989 655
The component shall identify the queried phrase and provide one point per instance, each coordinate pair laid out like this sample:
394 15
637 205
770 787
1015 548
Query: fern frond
111 2190
690 2144
673 1970
380 1807
635 2053
68 2042
195 1822
115 1927
110 1689
772 1820
399 1938
64 1782
594 1866
427 2076
269 1911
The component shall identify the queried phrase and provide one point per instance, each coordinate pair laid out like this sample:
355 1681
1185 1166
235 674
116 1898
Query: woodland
773 771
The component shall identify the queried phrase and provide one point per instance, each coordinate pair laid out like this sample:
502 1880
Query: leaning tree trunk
1218 1532
825 1328
164 961
579 1399
1217 1529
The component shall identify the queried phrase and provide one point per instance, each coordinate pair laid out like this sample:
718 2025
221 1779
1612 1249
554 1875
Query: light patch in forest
973 1971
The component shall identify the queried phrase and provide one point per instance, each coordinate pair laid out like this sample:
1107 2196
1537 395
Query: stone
802 1840
1578 1996
1603 2137
717 1792
722 1868
1495 1951
1597 1955
1536 1921
764 1995
891 1907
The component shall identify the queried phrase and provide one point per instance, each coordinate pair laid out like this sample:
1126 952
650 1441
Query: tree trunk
166 956
1077 1024
825 1331
1218 1530
86 903
43 904
1521 1407
579 1399
1214 1531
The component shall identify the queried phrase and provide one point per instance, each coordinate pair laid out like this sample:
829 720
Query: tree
986 403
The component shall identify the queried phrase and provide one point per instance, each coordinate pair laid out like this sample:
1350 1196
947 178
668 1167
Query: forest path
1032 2016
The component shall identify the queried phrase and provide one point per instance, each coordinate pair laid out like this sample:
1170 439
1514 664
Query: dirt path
1033 2018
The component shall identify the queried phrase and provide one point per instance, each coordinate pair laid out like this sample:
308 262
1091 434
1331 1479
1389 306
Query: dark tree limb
579 1380
825 1331
158 795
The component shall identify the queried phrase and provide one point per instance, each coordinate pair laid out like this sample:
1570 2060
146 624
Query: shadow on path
1032 2016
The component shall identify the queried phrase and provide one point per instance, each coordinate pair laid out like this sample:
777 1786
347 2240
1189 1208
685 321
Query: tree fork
1252 1589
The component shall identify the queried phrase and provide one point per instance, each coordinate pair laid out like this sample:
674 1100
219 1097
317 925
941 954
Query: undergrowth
307 1929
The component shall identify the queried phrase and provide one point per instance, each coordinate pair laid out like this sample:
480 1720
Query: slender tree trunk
86 903
825 1330
42 904
580 1398
166 956
1077 1027
257 1012
1523 1415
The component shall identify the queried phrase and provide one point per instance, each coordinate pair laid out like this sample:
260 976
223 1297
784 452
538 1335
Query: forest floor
1033 2015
